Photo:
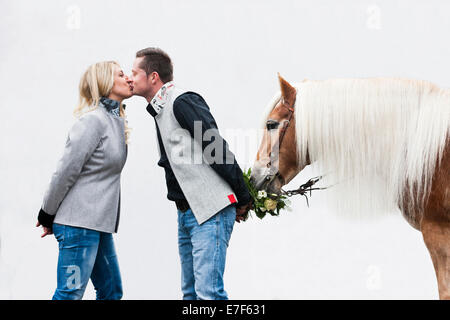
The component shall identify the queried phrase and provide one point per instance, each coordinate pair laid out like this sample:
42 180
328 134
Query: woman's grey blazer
85 189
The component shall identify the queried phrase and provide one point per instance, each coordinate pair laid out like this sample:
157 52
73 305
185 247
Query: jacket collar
160 99
111 105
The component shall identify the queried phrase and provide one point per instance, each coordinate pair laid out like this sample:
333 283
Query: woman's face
123 86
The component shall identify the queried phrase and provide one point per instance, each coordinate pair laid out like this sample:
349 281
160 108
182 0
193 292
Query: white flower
262 194
262 209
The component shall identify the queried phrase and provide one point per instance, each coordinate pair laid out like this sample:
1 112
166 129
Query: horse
393 131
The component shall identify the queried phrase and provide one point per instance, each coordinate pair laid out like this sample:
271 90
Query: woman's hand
46 230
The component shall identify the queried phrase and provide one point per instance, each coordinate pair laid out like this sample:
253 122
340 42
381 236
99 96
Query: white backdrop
230 52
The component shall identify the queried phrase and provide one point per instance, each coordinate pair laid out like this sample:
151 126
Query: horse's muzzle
272 183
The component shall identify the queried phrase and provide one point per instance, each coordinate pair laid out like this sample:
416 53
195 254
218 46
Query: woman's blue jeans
86 254
203 251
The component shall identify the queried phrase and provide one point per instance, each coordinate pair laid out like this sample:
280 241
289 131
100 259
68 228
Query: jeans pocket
58 232
229 219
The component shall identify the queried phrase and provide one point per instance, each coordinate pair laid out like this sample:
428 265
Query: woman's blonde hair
97 82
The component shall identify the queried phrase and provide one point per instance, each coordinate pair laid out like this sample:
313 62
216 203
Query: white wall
229 51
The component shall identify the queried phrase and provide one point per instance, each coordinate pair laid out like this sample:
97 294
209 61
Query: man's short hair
156 60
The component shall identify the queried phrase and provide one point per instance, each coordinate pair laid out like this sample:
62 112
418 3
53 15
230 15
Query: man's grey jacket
199 166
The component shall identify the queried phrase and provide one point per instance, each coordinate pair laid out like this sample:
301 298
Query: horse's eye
272 124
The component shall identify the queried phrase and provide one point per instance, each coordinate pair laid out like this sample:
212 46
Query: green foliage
263 202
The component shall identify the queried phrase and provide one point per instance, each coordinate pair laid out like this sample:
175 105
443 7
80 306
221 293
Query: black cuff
45 219
244 199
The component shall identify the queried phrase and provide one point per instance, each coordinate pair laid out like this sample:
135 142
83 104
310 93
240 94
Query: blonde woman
82 204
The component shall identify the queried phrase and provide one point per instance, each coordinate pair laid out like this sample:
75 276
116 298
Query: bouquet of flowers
264 202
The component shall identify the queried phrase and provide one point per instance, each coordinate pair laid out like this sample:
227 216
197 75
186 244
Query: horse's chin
275 186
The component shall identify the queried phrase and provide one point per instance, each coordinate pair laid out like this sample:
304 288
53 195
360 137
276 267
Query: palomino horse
392 130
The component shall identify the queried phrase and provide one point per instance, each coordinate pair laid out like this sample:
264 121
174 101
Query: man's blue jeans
203 251
84 254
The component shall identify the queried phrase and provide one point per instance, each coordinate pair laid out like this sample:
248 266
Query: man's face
142 83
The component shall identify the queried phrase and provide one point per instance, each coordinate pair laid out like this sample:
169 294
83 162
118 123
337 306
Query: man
202 175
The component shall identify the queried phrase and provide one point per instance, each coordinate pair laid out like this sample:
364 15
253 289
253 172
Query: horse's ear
288 92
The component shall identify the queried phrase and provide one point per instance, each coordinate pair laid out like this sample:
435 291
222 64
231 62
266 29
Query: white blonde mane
379 138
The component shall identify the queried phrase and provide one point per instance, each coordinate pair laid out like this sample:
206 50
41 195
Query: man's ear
151 77
155 77
288 92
